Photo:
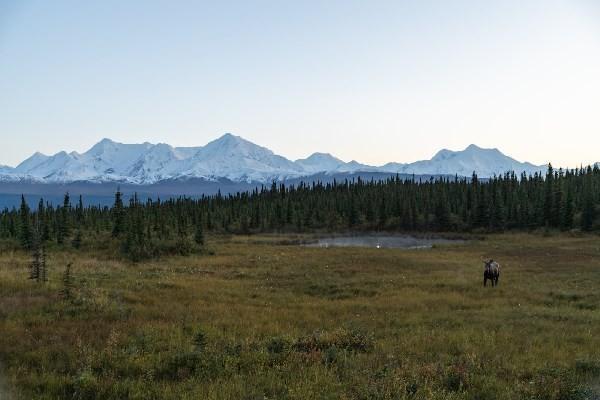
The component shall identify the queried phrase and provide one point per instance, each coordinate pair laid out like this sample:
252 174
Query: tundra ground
262 318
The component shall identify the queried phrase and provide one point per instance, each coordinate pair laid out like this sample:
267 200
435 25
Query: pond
382 242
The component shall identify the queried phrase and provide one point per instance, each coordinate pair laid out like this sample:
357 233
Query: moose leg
484 280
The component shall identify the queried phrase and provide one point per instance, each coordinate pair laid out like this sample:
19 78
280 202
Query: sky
375 81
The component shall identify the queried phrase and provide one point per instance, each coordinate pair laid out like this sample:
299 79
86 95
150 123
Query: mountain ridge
237 159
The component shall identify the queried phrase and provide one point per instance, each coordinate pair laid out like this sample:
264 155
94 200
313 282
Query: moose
491 271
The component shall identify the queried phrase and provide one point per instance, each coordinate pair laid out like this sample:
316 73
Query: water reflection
381 242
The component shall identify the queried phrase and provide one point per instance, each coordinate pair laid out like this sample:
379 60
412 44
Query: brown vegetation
260 319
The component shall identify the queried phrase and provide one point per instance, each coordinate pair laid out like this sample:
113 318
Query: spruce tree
557 200
442 214
25 235
352 212
118 215
382 214
199 234
548 196
588 213
64 222
67 284
567 211
79 210
43 224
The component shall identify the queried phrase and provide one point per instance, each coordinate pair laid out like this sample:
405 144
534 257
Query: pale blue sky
375 81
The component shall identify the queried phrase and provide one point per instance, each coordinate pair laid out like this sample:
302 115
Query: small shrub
279 345
184 247
199 341
330 356
179 366
76 242
590 367
456 379
343 339
555 384
86 386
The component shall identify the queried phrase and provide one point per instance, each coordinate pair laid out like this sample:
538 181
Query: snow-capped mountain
485 162
26 166
156 163
354 166
236 159
7 174
320 162
105 161
393 167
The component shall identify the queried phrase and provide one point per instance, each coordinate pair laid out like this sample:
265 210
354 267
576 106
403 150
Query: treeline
556 200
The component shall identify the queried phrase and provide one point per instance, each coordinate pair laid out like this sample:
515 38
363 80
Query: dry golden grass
263 320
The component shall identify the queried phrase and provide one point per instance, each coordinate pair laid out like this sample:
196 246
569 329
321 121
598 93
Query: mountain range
233 158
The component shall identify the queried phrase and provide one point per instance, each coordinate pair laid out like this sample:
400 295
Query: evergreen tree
557 200
382 215
79 210
352 213
67 284
548 196
118 215
199 234
135 246
442 214
64 222
25 225
567 211
588 213
42 222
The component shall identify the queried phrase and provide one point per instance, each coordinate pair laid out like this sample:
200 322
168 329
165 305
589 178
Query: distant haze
373 81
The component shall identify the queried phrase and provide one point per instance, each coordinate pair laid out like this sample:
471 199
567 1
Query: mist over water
382 242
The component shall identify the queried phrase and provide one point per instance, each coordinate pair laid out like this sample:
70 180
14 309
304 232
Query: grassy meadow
262 318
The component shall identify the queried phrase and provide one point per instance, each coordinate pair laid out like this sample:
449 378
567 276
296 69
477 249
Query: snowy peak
154 164
238 159
325 162
472 151
235 158
230 145
393 167
485 162
102 146
354 166
117 157
320 162
36 159
474 148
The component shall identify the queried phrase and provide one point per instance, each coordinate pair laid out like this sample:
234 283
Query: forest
559 199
